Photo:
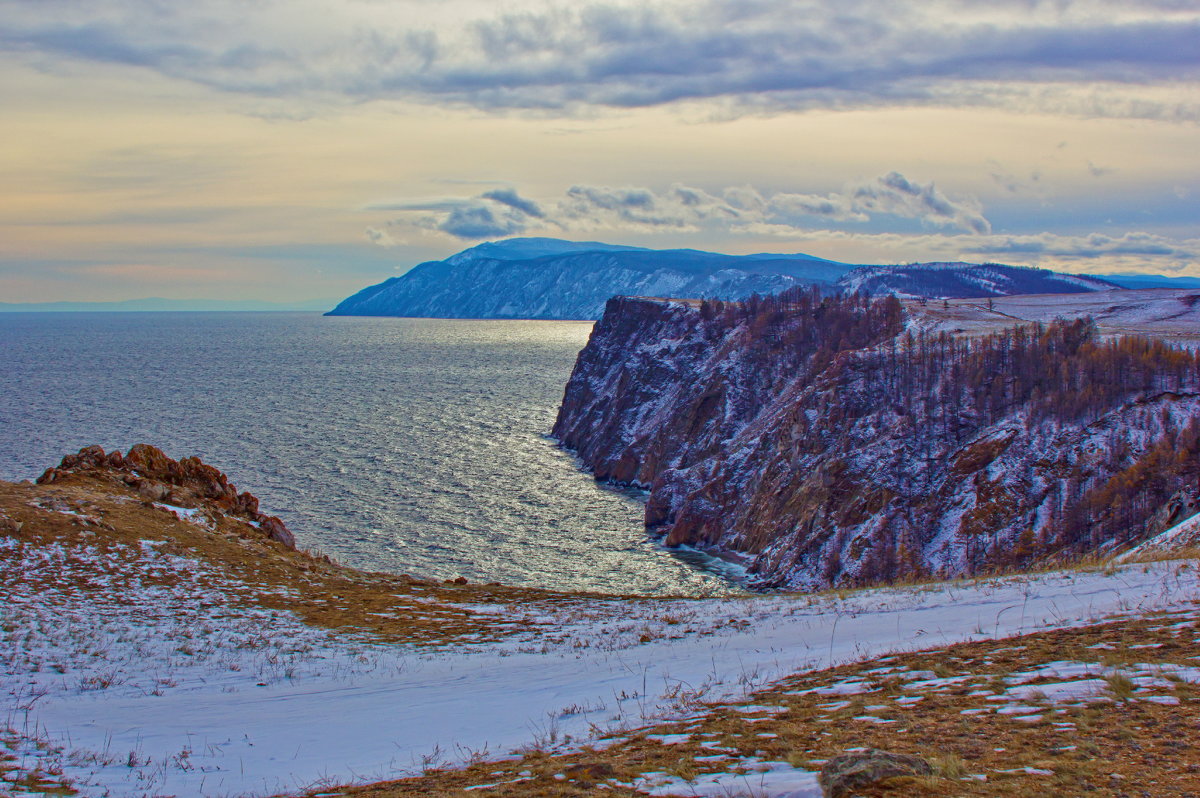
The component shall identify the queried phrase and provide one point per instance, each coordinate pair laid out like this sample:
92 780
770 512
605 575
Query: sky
300 149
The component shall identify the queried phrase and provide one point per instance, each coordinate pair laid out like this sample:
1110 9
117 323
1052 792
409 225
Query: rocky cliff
820 441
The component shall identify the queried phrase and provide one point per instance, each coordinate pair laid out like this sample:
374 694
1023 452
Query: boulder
844 774
276 530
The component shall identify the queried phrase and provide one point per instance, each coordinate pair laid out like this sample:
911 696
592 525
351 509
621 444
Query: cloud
509 197
1095 245
479 221
689 208
897 195
496 213
682 208
1095 253
1091 57
381 237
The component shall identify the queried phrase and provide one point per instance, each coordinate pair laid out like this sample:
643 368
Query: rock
147 459
844 774
152 491
1180 506
587 774
276 530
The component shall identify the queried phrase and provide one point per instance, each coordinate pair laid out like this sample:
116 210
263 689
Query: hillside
959 280
544 278
830 441
155 640
534 278
1167 314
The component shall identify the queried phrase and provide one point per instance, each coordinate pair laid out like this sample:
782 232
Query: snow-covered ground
1172 314
1184 534
153 686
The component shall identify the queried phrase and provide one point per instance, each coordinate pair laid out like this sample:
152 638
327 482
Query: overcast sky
295 149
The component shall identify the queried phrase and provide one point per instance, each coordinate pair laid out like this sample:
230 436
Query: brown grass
1121 748
388 607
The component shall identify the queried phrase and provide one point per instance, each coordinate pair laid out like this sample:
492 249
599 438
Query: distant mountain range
964 280
546 278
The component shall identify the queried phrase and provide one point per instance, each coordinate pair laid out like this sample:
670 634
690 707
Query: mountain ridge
544 278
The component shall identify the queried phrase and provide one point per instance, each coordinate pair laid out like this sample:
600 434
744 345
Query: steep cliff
820 442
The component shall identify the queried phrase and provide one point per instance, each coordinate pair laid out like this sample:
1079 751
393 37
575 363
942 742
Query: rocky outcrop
813 440
844 775
185 483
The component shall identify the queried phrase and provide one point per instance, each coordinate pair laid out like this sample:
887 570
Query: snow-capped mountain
544 278
963 280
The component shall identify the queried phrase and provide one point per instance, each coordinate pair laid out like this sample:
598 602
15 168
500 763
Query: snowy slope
966 280
182 691
1185 534
1169 313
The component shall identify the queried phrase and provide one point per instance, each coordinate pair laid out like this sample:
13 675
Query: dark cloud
509 197
478 221
493 214
755 54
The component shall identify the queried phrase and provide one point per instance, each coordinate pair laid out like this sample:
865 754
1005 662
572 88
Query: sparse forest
860 369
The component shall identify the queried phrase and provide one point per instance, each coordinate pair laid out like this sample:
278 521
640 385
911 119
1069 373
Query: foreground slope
161 649
823 440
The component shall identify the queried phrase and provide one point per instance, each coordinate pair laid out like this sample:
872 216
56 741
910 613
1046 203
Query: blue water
404 445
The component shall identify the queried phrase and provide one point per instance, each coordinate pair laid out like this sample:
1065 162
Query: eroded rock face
188 483
822 454
843 775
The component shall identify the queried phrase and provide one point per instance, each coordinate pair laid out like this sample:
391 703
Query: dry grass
1126 747
100 511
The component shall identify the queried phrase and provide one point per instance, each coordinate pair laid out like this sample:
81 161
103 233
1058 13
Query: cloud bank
1090 57
504 212
863 212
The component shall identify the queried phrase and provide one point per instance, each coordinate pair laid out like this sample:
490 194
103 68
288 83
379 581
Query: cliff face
819 443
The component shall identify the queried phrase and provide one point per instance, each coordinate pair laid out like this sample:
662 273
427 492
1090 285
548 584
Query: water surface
406 445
